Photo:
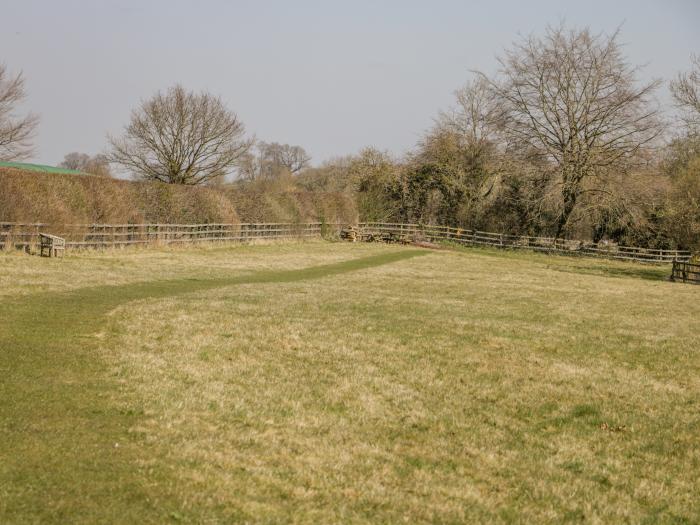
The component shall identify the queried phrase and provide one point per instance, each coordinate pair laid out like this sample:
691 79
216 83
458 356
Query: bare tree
181 137
74 161
292 158
270 160
571 99
473 130
477 116
97 165
685 89
16 132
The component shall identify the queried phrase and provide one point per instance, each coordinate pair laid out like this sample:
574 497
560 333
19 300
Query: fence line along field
328 382
542 244
685 272
20 235
17 235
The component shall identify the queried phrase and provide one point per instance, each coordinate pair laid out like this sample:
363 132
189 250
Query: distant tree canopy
96 165
16 132
269 160
181 137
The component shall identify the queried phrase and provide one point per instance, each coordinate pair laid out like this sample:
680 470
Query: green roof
38 167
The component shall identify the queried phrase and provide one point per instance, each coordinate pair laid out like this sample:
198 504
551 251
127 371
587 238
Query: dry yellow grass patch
22 274
454 387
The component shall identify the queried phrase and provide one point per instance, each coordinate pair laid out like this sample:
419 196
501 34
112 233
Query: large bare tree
16 132
685 89
181 137
571 99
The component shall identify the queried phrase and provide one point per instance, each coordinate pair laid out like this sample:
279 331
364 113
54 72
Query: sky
330 76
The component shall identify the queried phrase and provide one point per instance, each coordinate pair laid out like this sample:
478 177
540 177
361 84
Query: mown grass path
65 451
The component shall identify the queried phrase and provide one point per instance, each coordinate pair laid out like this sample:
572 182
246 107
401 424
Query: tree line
563 140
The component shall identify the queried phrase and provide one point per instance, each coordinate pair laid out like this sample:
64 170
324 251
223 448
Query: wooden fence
26 236
466 237
17 235
685 272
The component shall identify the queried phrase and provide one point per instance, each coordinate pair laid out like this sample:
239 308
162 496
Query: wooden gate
685 272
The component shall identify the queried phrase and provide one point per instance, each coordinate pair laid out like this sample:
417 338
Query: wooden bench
52 244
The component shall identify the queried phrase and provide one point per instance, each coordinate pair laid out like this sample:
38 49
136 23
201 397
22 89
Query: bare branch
97 165
16 133
686 92
270 160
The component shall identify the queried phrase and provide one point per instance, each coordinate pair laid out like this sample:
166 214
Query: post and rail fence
685 272
466 237
26 236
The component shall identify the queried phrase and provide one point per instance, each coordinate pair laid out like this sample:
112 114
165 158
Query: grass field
346 383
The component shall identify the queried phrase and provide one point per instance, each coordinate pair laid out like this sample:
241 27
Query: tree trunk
570 196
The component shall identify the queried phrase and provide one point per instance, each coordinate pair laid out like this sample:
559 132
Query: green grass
346 383
39 168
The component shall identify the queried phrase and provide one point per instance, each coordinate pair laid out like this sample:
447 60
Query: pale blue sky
330 76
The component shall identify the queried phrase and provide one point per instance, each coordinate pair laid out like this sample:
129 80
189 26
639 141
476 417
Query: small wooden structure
349 234
389 237
685 272
51 245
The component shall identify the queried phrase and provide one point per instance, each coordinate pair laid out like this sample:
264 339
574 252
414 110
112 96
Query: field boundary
26 235
685 272
370 231
77 236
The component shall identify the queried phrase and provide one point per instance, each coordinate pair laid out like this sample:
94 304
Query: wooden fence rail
542 244
685 272
26 235
14 235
